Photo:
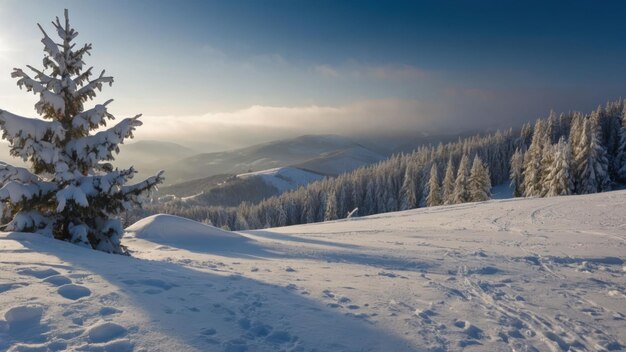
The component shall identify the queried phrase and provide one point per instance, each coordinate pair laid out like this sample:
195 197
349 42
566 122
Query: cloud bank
455 110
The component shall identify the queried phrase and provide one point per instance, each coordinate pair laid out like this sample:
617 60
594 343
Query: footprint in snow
38 273
328 293
12 286
73 292
105 311
57 280
470 330
344 299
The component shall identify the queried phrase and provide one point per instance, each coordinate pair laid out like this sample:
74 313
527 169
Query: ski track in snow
508 275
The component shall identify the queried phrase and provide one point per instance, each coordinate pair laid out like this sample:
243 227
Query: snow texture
542 274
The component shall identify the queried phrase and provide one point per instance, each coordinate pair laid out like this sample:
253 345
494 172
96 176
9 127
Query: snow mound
173 230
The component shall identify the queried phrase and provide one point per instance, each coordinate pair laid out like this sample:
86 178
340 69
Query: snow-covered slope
341 161
284 178
508 275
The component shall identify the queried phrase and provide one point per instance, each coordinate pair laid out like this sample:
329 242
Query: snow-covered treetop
67 86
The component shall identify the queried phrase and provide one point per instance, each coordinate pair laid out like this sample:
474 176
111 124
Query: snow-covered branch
18 128
57 63
92 118
88 91
99 147
12 173
16 192
136 192
25 81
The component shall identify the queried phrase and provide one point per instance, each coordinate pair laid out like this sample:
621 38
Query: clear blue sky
247 71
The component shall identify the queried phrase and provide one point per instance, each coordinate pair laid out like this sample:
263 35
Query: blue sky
239 72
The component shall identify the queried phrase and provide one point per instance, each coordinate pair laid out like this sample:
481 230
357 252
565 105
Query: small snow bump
279 337
104 311
23 316
105 332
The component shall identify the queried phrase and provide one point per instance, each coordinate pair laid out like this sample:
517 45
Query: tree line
567 154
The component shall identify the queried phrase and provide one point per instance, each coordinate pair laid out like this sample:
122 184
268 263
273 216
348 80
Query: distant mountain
149 156
323 154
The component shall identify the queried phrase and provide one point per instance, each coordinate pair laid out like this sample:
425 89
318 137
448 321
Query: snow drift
174 230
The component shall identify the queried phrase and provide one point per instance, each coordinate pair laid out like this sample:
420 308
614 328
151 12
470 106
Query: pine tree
434 191
479 181
584 172
408 197
447 196
331 207
546 164
461 186
526 134
516 175
620 159
71 191
532 162
559 180
599 160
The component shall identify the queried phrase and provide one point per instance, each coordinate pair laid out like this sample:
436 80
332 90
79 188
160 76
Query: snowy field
507 275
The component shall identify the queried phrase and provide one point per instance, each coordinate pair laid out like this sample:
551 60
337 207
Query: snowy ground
507 275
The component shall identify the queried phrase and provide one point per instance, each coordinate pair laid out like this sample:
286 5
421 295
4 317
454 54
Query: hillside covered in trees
570 153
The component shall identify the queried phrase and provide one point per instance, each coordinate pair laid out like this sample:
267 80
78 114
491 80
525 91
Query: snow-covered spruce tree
434 191
532 161
408 197
546 164
70 192
479 181
516 175
330 212
461 186
447 196
620 159
599 158
559 179
584 172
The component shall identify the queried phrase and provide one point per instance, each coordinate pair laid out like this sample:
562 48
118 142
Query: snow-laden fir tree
408 196
598 156
559 179
546 164
434 191
70 191
620 159
532 161
461 184
447 191
330 212
516 174
479 181
585 180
